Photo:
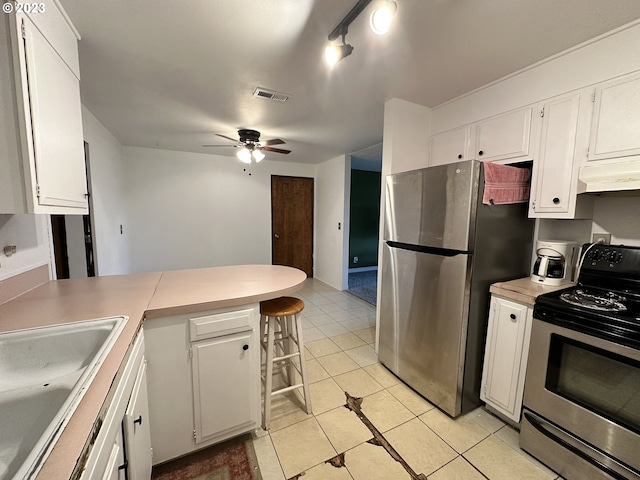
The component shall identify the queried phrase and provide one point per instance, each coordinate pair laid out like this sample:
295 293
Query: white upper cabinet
42 116
561 142
504 136
451 146
616 119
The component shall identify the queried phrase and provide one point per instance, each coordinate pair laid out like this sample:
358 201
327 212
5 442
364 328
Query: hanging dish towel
504 184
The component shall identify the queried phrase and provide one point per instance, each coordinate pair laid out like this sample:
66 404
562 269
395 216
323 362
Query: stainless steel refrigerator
442 250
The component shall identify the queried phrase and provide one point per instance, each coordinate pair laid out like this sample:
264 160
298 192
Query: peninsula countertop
138 296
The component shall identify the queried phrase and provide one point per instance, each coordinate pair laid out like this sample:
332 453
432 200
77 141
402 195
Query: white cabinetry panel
136 428
451 146
503 137
616 119
554 165
56 120
505 360
561 144
42 155
205 391
224 370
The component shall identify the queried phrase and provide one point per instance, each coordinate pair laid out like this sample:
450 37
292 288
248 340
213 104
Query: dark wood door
292 222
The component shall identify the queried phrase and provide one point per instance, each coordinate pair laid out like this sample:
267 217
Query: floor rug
234 459
364 285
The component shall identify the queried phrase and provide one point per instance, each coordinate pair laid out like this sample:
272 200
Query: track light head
334 53
382 16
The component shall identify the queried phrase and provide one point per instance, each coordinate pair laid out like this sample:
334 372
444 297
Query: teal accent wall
365 218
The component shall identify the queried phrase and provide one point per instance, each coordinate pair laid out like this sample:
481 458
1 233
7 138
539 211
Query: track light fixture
380 22
334 53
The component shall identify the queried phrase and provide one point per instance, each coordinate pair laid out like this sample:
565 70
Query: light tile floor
339 333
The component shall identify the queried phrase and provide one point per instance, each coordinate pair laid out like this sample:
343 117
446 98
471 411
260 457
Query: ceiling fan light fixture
257 154
244 155
382 17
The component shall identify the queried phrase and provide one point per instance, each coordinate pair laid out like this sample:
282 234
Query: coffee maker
554 262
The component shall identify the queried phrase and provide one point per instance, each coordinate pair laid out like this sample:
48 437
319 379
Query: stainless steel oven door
590 388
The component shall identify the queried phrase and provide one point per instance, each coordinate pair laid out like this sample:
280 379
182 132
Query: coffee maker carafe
554 262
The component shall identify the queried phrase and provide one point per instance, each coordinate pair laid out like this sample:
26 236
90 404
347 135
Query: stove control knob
614 257
595 255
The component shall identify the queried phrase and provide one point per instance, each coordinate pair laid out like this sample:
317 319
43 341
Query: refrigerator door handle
444 252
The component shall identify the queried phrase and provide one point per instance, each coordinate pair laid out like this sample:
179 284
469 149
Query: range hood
609 177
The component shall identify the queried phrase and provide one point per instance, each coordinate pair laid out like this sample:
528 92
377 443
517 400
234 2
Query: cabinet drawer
225 323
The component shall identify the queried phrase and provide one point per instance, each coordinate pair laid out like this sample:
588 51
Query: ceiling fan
249 146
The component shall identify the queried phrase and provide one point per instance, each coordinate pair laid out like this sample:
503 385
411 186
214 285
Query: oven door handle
570 444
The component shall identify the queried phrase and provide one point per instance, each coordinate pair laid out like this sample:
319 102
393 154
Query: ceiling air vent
270 95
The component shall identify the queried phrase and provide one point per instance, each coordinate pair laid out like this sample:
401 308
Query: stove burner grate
609 302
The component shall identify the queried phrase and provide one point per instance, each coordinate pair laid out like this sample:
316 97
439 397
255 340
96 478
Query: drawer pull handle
556 200
512 316
138 420
245 347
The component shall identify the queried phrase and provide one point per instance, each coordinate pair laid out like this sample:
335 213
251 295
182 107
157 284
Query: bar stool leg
303 364
268 380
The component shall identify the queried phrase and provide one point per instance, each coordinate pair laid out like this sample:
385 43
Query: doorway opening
364 227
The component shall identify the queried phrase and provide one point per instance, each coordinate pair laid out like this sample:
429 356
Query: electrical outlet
355 259
604 238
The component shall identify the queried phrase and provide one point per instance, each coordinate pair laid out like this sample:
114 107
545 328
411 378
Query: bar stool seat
281 339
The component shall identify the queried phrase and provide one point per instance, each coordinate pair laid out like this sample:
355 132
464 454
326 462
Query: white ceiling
173 73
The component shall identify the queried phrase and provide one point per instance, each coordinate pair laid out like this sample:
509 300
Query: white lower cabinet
204 378
122 448
505 357
223 369
136 429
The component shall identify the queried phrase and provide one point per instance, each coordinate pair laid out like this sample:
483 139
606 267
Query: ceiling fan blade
228 138
276 150
273 141
219 145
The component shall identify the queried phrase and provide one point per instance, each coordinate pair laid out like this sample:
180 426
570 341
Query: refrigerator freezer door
434 207
423 322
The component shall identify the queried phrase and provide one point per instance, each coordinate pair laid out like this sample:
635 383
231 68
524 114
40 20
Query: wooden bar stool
281 338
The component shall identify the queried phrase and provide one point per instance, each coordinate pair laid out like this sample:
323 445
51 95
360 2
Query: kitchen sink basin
44 373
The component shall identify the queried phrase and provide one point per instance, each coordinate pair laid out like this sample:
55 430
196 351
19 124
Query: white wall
619 216
332 187
189 210
109 209
30 234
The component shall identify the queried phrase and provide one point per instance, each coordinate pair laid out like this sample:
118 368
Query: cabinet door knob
245 347
460 156
138 420
481 152
512 316
556 200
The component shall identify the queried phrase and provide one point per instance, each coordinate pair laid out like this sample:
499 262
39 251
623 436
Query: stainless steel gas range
581 412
